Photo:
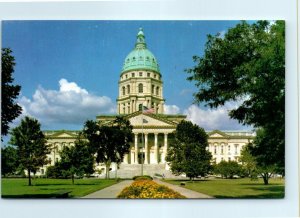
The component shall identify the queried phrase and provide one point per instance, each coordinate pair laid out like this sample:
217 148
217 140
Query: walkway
111 191
114 190
184 191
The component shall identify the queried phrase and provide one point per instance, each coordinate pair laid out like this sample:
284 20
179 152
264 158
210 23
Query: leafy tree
9 160
187 151
249 163
31 145
9 109
54 171
75 160
109 142
248 65
228 169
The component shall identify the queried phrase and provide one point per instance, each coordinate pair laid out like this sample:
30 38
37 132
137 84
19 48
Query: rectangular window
236 149
148 74
141 74
132 75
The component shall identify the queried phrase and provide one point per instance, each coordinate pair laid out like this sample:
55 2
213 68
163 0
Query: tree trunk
107 171
266 178
29 177
72 179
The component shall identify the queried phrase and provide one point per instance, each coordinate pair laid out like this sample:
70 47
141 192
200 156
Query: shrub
148 189
145 177
228 169
53 172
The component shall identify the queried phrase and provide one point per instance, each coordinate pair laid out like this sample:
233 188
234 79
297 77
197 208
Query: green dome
140 58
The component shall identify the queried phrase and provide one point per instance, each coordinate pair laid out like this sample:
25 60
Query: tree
9 160
76 160
248 162
248 65
9 109
31 145
54 171
109 142
228 169
187 151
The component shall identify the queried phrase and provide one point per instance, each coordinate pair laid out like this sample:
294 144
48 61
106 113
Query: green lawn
45 188
236 188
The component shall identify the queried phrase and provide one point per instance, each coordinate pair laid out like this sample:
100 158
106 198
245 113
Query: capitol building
141 86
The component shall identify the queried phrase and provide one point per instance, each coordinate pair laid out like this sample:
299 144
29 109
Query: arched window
140 107
128 89
140 88
215 150
222 149
157 90
123 90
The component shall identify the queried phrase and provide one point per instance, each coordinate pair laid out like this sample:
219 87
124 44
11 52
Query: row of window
229 147
154 90
140 59
141 74
140 107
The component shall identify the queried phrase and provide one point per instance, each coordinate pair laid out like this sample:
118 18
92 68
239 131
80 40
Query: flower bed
148 189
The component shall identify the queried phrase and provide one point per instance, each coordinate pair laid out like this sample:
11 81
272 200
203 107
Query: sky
69 70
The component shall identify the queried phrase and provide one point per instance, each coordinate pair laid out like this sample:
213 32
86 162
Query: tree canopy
9 160
31 145
248 65
76 160
109 142
187 151
9 108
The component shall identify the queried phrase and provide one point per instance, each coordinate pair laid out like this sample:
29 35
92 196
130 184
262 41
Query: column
146 149
165 149
155 148
125 159
136 148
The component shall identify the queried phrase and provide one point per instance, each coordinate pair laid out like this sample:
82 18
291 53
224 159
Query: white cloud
214 119
71 104
171 109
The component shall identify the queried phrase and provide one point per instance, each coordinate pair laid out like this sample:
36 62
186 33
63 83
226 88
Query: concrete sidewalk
109 192
184 191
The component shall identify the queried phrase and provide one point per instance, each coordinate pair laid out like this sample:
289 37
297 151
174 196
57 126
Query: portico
151 135
148 147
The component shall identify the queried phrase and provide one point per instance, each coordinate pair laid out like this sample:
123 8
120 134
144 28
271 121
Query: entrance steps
131 170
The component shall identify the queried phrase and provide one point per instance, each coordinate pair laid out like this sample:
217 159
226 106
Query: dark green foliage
31 145
228 169
187 152
248 65
109 142
9 109
54 172
144 177
249 163
76 160
9 160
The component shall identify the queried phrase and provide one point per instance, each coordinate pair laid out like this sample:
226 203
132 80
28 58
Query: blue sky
69 70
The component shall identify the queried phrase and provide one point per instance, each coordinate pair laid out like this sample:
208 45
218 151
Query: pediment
217 134
146 120
62 134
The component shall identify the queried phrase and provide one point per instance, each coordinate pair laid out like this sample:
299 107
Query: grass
46 188
236 188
